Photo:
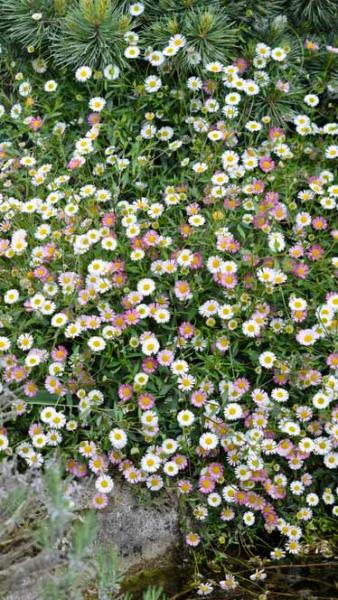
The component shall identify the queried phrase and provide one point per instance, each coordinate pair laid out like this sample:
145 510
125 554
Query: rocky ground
146 538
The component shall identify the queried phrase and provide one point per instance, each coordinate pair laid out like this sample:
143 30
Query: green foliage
163 7
280 107
77 32
246 10
108 575
314 14
92 34
210 36
154 593
60 6
27 22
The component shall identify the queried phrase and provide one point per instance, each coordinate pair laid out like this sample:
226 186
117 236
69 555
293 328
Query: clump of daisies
169 307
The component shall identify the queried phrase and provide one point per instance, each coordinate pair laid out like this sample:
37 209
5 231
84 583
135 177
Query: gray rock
145 535
140 532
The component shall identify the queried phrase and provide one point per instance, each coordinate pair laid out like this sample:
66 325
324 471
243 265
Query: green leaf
44 398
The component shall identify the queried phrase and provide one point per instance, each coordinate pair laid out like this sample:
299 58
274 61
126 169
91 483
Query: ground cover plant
168 263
